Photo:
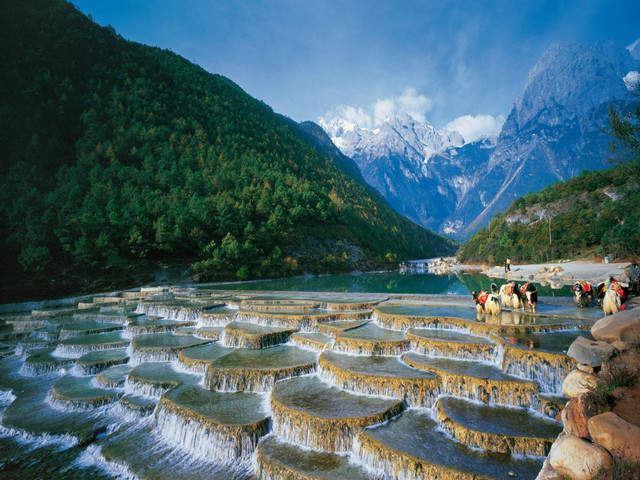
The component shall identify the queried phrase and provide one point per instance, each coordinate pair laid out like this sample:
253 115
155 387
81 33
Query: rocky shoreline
601 420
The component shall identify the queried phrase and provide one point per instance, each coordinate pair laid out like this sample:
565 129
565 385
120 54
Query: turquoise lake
386 282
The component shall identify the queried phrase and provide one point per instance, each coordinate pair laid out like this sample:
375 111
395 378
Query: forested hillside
594 214
116 155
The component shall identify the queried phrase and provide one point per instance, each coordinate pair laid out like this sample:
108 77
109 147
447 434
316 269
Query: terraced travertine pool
180 382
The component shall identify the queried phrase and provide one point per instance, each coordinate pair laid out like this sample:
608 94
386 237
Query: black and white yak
486 302
584 294
615 294
527 296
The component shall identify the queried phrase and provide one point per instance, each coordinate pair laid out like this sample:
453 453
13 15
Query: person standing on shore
507 265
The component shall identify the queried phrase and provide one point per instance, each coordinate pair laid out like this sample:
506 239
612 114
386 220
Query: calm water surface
386 282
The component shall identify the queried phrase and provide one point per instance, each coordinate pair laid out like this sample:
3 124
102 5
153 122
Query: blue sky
448 61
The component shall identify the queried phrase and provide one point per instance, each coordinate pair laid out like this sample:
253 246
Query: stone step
218 317
93 362
79 393
114 377
476 381
135 407
162 347
277 459
311 340
212 333
151 324
80 345
308 320
403 317
333 329
310 412
43 361
450 343
377 375
197 359
257 370
155 378
33 414
250 335
412 447
497 429
216 426
137 448
85 328
370 339
539 357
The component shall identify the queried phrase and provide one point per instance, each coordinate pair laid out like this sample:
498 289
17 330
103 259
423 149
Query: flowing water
398 378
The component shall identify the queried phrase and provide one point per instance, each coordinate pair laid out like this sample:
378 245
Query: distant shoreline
571 272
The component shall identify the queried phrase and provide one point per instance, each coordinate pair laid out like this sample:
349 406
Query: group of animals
510 295
611 295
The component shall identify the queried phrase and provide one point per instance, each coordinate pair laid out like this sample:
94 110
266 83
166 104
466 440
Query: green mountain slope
115 155
595 213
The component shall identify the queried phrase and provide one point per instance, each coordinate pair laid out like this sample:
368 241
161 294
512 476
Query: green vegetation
116 155
593 213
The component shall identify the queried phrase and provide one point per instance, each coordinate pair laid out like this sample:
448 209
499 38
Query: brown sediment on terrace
450 343
371 339
79 393
386 376
93 362
41 361
278 305
405 322
156 378
320 416
212 333
231 423
86 328
278 460
197 359
308 320
476 381
113 377
257 370
313 340
335 328
397 449
497 429
250 335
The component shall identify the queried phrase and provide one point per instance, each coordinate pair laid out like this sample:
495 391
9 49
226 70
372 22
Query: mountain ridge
553 132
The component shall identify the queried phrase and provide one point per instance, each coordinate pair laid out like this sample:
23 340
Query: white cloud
355 115
410 101
474 127
383 109
416 105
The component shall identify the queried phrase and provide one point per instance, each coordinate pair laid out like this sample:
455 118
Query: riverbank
562 273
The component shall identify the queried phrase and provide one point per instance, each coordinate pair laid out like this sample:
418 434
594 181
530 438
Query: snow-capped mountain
395 159
553 132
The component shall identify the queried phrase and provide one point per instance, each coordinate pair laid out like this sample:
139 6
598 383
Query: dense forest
593 215
115 155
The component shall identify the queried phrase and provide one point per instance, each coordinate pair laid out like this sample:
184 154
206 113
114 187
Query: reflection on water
386 282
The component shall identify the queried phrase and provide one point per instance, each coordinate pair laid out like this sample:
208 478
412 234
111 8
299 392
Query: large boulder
576 415
578 383
624 325
627 402
579 459
590 352
619 437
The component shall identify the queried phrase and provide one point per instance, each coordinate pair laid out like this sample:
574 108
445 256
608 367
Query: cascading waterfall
206 440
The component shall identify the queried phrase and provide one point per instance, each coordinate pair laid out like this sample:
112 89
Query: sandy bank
571 272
